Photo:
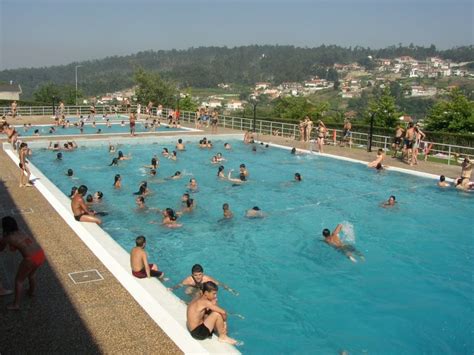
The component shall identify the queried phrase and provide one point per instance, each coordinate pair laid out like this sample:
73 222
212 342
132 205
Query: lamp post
254 102
77 66
371 129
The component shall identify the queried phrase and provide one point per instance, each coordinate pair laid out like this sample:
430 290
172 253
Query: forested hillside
208 66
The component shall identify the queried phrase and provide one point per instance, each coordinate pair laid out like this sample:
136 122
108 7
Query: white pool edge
169 313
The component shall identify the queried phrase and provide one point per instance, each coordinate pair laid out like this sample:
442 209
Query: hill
205 67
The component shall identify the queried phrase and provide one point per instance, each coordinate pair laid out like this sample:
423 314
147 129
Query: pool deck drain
81 277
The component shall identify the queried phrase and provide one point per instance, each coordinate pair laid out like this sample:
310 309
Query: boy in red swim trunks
139 261
33 257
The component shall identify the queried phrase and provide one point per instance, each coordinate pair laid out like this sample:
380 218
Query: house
234 105
212 103
262 85
417 91
10 91
272 93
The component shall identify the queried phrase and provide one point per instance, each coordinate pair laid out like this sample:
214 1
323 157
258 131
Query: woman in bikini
321 134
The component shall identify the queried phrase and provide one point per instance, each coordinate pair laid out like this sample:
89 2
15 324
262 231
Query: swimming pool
412 294
114 128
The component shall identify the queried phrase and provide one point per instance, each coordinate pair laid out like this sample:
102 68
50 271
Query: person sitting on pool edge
196 280
79 209
204 316
139 261
334 240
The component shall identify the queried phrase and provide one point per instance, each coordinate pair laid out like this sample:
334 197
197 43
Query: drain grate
21 210
81 277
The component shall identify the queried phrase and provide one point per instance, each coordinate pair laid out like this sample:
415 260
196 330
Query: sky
35 33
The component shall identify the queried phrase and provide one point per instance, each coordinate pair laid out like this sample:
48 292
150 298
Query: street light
77 66
371 129
254 102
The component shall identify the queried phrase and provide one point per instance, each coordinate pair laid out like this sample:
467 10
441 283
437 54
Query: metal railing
289 130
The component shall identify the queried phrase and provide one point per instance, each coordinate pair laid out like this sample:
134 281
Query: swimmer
227 212
220 172
143 189
170 218
114 162
152 172
187 203
297 177
69 172
173 156
442 182
154 163
123 157
98 195
165 152
243 170
204 316
390 202
254 212
140 201
177 175
193 186
219 157
79 209
334 240
214 160
111 148
195 281
73 191
59 156
117 181
180 145
227 146
240 180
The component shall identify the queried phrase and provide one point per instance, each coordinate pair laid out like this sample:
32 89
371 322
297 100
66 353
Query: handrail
283 129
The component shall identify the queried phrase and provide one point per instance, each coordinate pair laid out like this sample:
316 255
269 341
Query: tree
297 108
46 93
455 115
188 104
384 110
151 87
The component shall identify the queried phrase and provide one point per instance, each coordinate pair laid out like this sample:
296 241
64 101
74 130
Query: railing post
449 155
260 129
271 127
241 122
385 144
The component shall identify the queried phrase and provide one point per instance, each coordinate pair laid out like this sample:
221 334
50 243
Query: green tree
454 115
151 87
46 92
296 108
188 104
384 109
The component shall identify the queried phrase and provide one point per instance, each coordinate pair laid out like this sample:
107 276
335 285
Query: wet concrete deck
95 317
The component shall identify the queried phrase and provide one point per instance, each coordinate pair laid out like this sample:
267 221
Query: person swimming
140 201
165 152
59 156
170 218
114 162
298 177
334 240
143 189
254 212
188 203
193 186
390 202
442 182
70 172
117 181
227 212
220 172
177 175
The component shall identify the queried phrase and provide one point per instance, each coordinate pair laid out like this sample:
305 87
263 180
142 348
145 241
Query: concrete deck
96 317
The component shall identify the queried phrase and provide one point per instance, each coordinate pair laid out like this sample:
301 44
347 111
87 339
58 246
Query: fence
289 130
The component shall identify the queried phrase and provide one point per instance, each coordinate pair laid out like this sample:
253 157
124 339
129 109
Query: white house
10 92
262 85
234 105
423 91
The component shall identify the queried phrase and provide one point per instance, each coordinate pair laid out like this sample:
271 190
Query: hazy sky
48 32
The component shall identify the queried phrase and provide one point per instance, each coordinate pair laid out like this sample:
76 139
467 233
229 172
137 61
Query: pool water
44 130
413 294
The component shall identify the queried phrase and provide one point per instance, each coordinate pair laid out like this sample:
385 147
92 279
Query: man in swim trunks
466 171
397 140
204 316
408 141
33 257
346 133
132 124
334 240
24 151
79 208
442 182
197 278
139 261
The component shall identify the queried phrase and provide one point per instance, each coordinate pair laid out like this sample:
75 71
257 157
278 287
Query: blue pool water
89 129
413 294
